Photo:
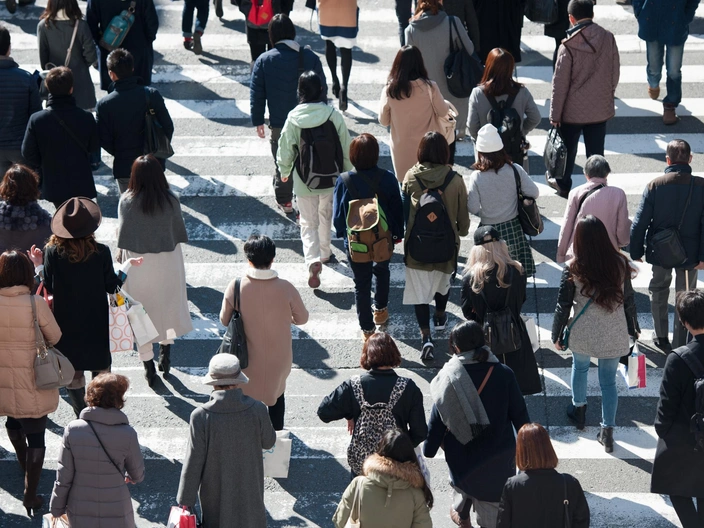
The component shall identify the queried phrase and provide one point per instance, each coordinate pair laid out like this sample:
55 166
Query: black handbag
555 155
462 70
542 11
666 245
502 333
528 212
235 340
156 142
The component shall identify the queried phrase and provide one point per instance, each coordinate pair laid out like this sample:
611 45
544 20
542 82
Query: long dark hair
70 7
498 74
147 181
310 88
408 66
466 336
598 265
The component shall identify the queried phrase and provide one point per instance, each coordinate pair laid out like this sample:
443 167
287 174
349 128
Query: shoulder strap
301 68
692 362
371 183
566 502
70 47
689 197
492 101
150 110
517 177
587 195
120 471
346 178
70 132
486 378
511 99
450 175
237 293
357 390
508 287
579 314
452 25
38 336
397 391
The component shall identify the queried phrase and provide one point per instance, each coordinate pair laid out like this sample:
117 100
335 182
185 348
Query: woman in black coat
501 23
489 259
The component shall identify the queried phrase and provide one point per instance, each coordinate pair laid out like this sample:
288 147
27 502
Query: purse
235 340
353 521
666 245
51 368
565 339
555 155
528 211
459 69
41 75
156 142
446 124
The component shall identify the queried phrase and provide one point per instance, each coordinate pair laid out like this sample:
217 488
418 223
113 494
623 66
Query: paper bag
142 326
121 337
532 330
181 518
278 458
634 373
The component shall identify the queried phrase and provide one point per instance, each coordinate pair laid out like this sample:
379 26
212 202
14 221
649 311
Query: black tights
690 517
345 62
423 310
34 440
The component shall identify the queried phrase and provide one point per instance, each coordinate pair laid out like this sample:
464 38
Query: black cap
485 234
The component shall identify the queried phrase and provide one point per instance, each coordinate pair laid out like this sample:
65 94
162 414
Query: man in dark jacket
672 201
275 83
59 141
121 116
19 100
678 470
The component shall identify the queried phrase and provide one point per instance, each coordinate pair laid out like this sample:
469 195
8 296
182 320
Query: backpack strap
692 361
510 100
357 391
492 101
301 68
346 178
448 179
587 195
373 185
397 391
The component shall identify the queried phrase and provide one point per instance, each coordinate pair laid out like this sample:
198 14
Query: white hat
489 140
224 369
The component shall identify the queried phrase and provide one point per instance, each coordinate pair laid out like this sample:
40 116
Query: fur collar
23 217
407 471
261 274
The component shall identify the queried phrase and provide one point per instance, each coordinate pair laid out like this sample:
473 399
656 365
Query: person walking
25 406
537 495
493 196
410 103
501 23
274 85
60 141
257 25
55 31
678 468
268 306
192 40
596 198
339 25
492 281
150 225
368 181
558 29
583 87
674 200
477 438
430 281
596 287
99 456
223 468
315 205
392 492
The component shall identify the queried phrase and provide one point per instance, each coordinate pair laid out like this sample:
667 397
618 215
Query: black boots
578 415
606 438
77 399
34 462
19 442
149 372
165 359
343 99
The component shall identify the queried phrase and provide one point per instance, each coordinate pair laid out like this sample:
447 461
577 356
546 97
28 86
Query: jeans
277 413
689 516
594 136
203 7
282 190
362 274
659 290
316 226
672 57
404 11
607 382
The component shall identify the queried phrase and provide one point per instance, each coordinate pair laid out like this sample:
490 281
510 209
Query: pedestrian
223 468
678 468
431 31
596 287
269 341
674 200
55 31
558 29
492 281
501 22
138 41
20 99
99 456
493 196
664 26
274 85
465 12
369 181
257 25
583 87
120 116
315 205
428 281
538 494
192 40
379 386
392 492
339 25
60 140
150 225
477 437
24 221
596 198
25 406
410 103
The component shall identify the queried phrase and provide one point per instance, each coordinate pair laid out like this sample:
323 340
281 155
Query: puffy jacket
275 82
19 99
661 207
665 21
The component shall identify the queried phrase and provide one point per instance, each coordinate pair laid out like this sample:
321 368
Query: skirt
421 285
518 247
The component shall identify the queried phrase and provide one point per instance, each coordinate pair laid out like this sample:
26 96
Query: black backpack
432 239
319 161
696 422
507 121
502 332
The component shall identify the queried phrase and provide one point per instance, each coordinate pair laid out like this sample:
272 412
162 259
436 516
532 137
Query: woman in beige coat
268 305
25 406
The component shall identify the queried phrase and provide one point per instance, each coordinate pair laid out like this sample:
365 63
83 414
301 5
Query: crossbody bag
120 471
666 245
43 90
70 133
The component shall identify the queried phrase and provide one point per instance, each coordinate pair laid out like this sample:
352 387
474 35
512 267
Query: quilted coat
20 99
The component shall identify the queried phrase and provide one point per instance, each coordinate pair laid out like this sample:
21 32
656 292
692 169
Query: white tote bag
278 459
532 330
142 327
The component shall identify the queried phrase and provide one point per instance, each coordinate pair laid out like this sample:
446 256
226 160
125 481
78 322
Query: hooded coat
501 22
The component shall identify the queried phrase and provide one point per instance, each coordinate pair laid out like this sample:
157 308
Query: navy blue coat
661 207
275 83
665 21
19 99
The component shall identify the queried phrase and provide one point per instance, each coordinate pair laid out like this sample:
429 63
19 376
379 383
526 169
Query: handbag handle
38 336
70 47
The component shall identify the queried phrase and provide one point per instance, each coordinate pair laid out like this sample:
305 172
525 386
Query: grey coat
224 465
88 486
54 39
479 108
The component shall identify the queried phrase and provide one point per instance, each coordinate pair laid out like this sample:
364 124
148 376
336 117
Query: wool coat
664 21
63 161
223 464
480 108
268 306
678 469
22 226
19 397
501 22
390 495
88 487
410 119
20 99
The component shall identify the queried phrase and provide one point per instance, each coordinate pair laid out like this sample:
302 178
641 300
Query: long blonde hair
483 259
75 249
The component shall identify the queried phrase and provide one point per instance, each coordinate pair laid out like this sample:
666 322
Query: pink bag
181 518
43 292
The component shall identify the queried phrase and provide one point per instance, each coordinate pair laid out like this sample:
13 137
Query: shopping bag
43 292
278 458
181 518
423 465
143 329
532 330
121 336
49 521
634 373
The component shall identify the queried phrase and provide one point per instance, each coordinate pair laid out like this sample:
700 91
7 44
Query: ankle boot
336 88
578 415
606 438
149 372
77 399
165 359
343 99
19 442
35 460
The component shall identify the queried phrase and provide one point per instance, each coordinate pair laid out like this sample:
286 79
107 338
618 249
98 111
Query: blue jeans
656 52
203 7
363 273
607 382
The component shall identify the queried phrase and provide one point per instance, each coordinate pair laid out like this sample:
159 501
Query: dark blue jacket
275 83
389 198
665 21
19 99
661 207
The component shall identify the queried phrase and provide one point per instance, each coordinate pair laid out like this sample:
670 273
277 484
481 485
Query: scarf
23 217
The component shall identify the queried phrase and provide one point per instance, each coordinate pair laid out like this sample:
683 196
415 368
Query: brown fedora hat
76 218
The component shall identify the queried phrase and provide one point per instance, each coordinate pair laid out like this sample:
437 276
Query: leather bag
555 155
156 142
235 340
52 369
666 245
460 67
528 211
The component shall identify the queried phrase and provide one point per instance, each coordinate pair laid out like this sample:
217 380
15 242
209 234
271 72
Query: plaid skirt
517 243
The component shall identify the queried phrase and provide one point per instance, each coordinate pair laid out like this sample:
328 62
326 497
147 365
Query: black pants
258 40
423 310
362 273
690 516
277 412
404 11
34 429
594 136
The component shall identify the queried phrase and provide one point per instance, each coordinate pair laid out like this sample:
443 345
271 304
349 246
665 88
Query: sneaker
332 259
366 334
381 316
669 117
188 43
428 351
11 6
218 8
314 274
197 45
654 93
287 207
440 320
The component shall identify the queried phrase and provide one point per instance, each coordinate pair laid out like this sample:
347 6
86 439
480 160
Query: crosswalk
223 174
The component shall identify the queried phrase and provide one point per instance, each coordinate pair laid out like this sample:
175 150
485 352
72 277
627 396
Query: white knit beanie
489 140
